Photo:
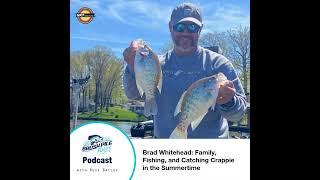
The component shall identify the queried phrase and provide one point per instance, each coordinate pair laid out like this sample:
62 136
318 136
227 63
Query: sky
118 22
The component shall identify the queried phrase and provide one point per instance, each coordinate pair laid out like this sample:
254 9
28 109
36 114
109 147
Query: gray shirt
179 72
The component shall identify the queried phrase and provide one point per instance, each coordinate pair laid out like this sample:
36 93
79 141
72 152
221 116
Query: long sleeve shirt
179 72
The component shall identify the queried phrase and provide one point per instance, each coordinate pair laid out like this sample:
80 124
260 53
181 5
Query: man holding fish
191 91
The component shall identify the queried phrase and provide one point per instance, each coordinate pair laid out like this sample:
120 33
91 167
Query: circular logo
85 15
102 151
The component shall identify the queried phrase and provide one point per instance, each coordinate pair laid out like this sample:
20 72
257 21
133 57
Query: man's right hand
129 53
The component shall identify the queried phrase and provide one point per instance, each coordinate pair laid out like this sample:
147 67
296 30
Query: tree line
105 70
234 44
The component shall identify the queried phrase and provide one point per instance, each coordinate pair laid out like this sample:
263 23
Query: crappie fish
148 75
194 103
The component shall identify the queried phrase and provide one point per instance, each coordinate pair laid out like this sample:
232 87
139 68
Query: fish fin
196 122
215 99
160 82
150 107
178 107
156 59
213 106
178 133
140 90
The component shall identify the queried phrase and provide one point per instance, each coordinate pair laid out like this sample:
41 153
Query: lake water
124 126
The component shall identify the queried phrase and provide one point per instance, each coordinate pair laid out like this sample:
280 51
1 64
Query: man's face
184 42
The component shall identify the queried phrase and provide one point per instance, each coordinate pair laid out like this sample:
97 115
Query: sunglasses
191 28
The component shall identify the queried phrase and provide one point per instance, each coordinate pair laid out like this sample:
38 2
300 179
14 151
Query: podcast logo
85 15
96 142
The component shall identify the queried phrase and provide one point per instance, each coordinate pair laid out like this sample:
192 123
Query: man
186 63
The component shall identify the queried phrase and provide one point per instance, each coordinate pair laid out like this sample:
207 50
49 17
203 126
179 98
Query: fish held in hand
148 75
194 103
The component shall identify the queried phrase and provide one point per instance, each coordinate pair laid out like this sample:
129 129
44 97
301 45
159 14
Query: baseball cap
186 12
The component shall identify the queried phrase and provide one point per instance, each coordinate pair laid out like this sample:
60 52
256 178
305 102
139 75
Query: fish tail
179 133
150 107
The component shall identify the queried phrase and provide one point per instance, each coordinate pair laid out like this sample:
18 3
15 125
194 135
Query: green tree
97 60
240 43
235 45
78 70
111 78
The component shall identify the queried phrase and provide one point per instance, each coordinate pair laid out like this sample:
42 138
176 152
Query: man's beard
182 49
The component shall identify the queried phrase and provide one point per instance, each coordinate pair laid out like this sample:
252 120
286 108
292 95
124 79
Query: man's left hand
226 92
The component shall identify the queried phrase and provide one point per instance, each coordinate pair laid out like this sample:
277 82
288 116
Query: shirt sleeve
235 108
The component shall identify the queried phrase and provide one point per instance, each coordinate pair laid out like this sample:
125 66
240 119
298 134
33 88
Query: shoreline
103 119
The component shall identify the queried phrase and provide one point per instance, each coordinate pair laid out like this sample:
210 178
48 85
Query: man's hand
226 92
129 53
